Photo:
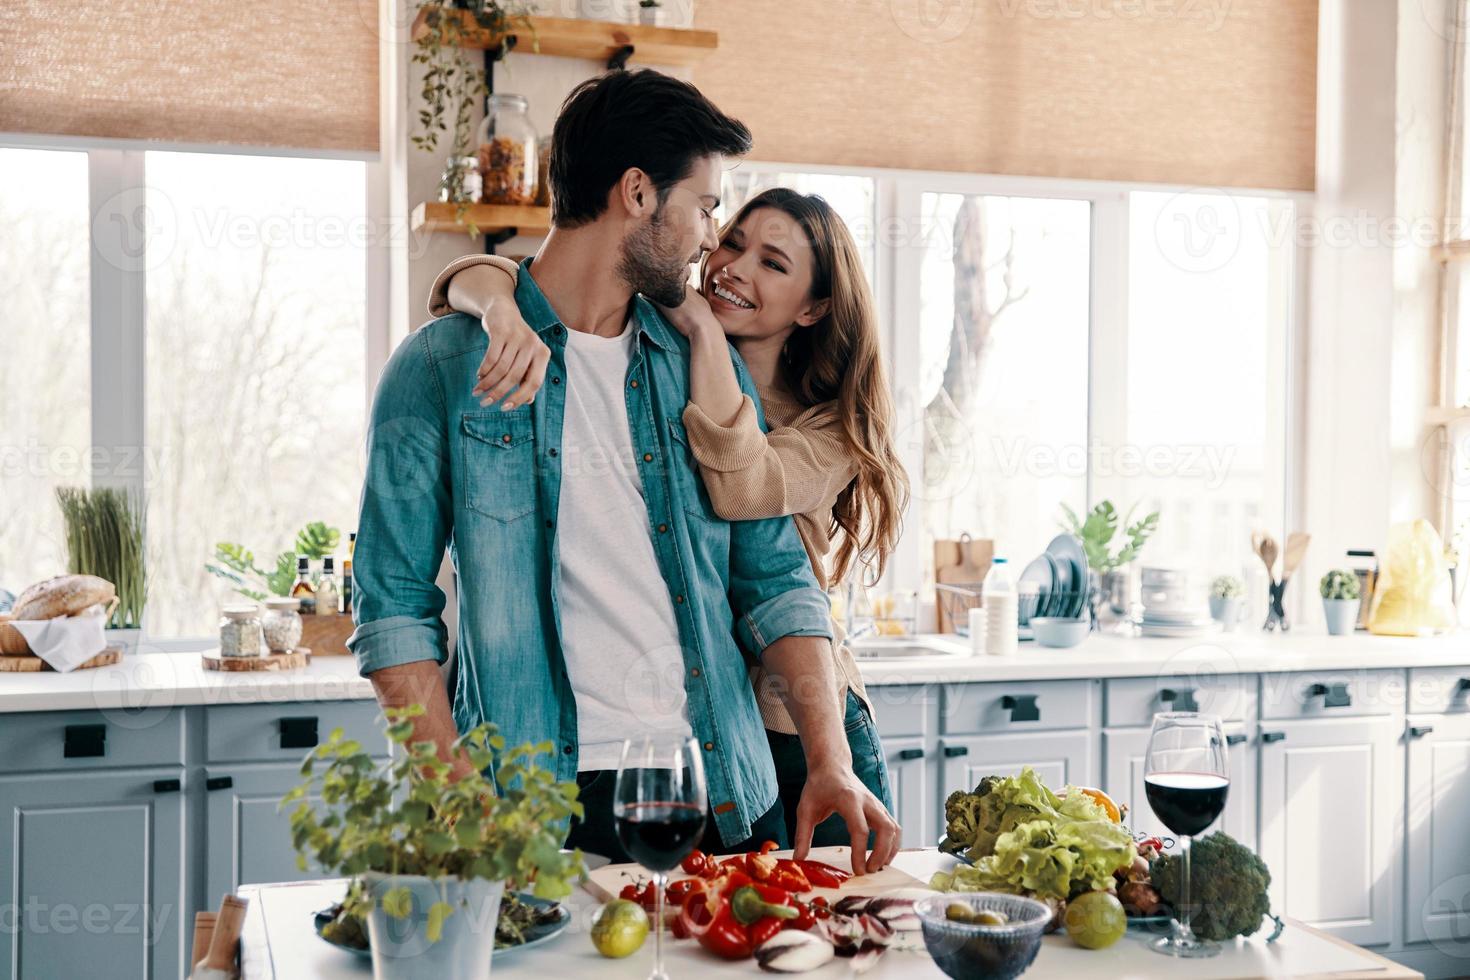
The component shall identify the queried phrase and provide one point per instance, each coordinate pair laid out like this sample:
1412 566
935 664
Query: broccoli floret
1228 887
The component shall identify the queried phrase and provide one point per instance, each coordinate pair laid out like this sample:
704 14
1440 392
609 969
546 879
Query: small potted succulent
1340 599
1226 595
430 858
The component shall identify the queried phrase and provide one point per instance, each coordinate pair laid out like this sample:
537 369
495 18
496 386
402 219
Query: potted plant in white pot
1340 598
1226 594
429 857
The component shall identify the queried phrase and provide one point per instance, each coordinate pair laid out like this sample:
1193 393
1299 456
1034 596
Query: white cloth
621 639
65 642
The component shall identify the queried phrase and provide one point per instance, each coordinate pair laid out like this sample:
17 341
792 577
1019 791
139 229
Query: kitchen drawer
60 740
1332 694
288 730
1133 701
1439 690
901 709
1017 706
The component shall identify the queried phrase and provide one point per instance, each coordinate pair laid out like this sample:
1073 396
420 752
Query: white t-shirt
621 639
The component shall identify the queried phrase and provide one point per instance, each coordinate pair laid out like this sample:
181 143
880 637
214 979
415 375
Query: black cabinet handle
167 785
1333 695
1183 700
1234 739
1021 706
1464 684
298 733
1269 737
1419 731
910 754
955 751
84 741
219 782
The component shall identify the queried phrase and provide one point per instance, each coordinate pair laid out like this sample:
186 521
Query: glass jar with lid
507 152
281 624
239 631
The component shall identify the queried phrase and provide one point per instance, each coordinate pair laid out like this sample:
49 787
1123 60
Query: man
598 587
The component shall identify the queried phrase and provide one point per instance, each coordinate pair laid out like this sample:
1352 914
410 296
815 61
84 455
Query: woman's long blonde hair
839 359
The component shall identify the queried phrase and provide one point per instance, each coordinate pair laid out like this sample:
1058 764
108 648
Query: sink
897 648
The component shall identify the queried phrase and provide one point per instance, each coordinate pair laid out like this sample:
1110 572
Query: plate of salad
524 921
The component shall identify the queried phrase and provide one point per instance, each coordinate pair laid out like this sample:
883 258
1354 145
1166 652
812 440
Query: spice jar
281 624
239 631
460 183
507 152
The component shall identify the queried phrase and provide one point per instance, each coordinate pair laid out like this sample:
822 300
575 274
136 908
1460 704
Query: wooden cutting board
30 663
604 883
295 660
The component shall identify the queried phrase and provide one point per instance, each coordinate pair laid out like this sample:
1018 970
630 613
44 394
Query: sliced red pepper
735 920
679 890
823 875
790 876
769 846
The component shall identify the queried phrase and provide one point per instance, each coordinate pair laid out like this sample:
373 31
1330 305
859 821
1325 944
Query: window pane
1004 367
45 370
1209 302
850 197
255 364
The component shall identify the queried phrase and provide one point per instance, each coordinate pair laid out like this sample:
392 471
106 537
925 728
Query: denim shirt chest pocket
687 479
499 463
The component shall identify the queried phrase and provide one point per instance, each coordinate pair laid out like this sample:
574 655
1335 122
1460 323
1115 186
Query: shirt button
633 383
709 746
694 672
556 381
552 452
647 457
679 599
550 523
505 438
663 528
567 749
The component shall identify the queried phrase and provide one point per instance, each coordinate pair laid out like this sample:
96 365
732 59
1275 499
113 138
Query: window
45 367
852 197
255 364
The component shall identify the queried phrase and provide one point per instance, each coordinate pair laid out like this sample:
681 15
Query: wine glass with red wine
659 807
1186 781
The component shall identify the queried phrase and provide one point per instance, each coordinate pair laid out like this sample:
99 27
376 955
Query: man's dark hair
624 119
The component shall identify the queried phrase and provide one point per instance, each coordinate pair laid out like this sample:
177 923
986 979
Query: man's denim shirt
443 471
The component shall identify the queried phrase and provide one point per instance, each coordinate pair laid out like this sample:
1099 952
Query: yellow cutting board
605 882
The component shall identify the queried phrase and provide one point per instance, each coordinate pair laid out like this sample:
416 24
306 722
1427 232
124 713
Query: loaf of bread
12 644
62 595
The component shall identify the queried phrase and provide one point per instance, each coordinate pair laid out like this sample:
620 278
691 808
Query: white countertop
280 942
166 679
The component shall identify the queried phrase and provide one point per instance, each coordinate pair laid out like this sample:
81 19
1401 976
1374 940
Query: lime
1096 920
619 928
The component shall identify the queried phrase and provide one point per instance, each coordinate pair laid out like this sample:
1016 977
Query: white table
280 943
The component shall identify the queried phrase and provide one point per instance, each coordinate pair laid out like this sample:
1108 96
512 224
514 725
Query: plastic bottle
999 596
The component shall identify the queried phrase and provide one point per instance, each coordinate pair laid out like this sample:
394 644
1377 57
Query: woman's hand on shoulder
693 317
516 358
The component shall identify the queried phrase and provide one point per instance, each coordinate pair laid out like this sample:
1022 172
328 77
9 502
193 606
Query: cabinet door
1058 758
95 864
1331 800
249 837
1123 760
1439 843
909 775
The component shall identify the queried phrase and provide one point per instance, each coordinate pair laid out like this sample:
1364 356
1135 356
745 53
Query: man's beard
649 265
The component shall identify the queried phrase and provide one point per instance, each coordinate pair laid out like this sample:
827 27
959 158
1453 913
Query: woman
786 287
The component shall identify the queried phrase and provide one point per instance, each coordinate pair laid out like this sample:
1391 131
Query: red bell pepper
823 875
741 915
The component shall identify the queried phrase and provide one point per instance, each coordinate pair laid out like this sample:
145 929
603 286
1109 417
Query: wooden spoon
1296 548
1269 551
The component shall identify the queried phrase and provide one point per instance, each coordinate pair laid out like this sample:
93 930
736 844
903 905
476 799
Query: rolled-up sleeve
405 518
772 588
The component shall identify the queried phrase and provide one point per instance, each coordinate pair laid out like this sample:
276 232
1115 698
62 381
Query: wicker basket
12 644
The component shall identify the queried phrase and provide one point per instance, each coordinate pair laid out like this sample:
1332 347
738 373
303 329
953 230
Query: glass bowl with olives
974 935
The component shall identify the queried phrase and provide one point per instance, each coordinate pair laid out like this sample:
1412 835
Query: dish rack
958 598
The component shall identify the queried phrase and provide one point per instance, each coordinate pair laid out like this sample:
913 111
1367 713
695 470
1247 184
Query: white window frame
116 178
896 274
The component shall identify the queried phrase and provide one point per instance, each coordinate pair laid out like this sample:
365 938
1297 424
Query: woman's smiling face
759 281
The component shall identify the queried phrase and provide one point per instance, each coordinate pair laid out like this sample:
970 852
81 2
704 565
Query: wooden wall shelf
488 218
595 39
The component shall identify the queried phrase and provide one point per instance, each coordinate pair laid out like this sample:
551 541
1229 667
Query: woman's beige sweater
797 468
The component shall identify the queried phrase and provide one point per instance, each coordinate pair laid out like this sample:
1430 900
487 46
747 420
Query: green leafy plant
104 537
406 816
1339 584
1101 526
235 563
1227 587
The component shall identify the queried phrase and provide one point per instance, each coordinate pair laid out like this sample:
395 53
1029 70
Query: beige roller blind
1194 92
258 73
